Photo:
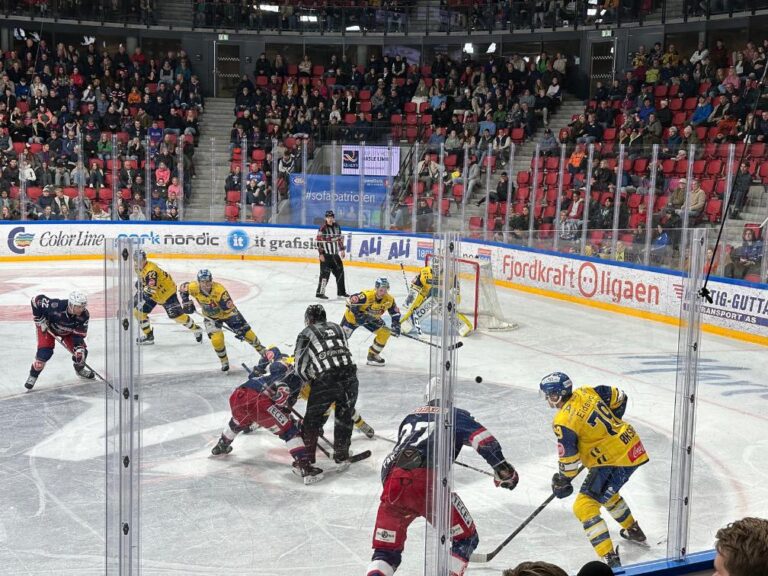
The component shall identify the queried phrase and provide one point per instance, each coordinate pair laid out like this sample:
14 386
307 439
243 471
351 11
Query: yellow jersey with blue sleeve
590 431
217 305
156 282
424 282
366 303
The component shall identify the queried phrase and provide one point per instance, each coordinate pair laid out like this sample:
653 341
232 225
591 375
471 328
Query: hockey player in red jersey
408 478
66 319
266 400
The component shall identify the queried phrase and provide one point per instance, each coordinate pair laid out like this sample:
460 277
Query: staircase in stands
207 202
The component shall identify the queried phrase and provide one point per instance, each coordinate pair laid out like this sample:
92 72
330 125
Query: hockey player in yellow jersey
591 434
422 297
218 309
155 286
366 309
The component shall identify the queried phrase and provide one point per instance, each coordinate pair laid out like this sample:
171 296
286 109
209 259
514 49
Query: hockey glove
505 475
561 485
42 323
188 307
79 355
278 394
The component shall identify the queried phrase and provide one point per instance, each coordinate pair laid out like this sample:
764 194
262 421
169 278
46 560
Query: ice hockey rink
248 514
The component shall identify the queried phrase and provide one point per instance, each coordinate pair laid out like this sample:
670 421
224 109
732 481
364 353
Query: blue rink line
698 562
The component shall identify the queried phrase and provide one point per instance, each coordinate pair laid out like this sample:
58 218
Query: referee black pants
332 263
337 386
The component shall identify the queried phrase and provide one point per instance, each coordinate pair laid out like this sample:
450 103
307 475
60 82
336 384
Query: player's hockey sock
620 512
597 532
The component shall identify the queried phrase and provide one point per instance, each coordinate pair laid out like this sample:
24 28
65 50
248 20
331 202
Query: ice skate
198 332
30 383
223 446
146 339
374 359
225 366
85 372
612 558
321 296
310 474
634 534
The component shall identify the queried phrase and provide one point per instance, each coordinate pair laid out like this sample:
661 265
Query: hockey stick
99 376
455 461
458 344
405 278
491 555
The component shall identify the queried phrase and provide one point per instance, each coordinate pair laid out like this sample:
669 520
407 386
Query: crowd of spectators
59 111
143 11
669 101
466 104
409 16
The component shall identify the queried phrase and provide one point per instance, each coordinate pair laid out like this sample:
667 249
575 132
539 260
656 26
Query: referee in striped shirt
323 359
330 245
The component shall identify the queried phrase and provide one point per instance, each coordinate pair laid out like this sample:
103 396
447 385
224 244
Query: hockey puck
478 379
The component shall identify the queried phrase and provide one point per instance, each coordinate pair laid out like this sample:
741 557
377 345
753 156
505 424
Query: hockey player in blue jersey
63 319
408 475
266 400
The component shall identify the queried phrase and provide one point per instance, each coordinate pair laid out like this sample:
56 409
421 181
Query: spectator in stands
690 138
48 214
5 212
741 186
746 258
661 246
702 112
424 216
137 213
577 162
99 213
697 199
60 201
428 172
234 180
652 133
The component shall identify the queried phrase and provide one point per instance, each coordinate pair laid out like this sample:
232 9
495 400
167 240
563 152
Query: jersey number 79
604 415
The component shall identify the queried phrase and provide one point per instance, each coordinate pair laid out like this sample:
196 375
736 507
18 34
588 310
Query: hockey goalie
423 296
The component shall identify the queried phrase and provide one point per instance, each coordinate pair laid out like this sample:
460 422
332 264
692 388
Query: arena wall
739 309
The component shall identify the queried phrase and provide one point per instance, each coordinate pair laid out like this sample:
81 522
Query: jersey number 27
415 435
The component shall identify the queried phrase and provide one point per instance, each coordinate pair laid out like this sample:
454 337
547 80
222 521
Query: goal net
478 300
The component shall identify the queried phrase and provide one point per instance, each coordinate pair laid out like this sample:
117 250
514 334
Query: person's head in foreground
741 548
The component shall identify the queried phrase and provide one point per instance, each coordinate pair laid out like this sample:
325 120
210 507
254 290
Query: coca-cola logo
636 451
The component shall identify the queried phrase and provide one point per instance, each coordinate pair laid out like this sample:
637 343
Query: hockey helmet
382 283
315 313
77 298
557 387
272 354
139 258
204 275
432 390
330 214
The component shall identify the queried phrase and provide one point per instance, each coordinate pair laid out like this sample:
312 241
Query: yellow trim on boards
607 306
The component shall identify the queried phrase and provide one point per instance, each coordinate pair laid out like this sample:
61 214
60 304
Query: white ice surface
248 514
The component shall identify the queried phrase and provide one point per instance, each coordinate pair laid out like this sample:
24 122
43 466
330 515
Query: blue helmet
382 282
204 276
557 384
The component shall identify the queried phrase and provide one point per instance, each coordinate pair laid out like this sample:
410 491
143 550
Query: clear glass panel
186 410
53 437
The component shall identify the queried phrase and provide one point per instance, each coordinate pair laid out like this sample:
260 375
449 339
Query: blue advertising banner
346 200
